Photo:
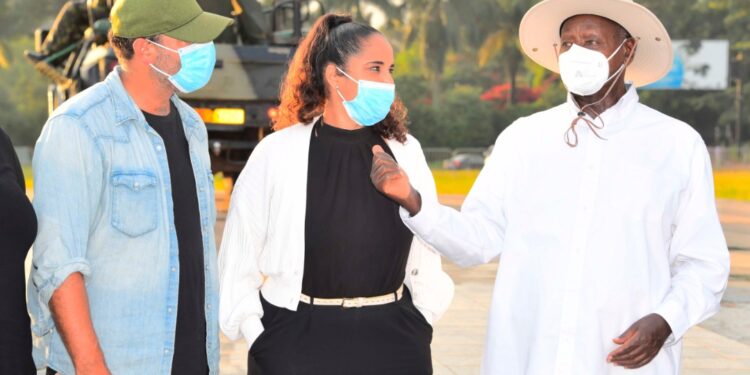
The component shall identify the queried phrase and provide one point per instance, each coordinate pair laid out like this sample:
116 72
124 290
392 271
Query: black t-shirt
356 244
190 338
18 228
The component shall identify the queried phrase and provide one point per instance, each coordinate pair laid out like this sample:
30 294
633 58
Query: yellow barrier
730 184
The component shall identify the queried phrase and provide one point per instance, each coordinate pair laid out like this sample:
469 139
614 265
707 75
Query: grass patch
29 176
730 184
454 182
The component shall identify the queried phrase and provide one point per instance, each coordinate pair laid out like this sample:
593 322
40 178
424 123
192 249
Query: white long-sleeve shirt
590 239
263 246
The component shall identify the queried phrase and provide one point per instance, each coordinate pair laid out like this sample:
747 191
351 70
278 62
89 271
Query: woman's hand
392 181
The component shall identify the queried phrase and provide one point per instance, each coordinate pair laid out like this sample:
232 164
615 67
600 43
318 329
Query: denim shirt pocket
134 202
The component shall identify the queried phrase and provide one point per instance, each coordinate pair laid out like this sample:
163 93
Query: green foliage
21 17
461 120
432 39
23 100
483 51
710 112
448 53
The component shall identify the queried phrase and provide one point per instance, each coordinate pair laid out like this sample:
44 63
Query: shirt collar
614 116
125 109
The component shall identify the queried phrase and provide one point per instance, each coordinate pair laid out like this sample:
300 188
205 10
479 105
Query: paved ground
735 218
720 346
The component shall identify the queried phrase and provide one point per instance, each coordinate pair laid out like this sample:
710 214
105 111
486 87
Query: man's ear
144 51
631 47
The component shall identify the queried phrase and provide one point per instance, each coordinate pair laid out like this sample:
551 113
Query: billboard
698 65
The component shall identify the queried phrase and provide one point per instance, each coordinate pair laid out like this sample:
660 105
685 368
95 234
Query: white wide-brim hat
540 33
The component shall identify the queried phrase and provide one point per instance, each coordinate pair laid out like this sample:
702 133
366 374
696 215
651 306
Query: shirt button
415 272
209 306
158 148
166 351
169 310
174 269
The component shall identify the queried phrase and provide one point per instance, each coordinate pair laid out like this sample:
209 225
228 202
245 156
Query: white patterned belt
354 302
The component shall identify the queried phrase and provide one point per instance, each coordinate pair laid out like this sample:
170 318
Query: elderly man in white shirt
602 209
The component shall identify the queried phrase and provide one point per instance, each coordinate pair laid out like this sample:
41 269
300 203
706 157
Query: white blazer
263 247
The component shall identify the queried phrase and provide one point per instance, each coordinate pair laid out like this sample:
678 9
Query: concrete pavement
720 346
735 219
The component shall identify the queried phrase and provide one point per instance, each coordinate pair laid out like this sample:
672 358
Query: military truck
240 102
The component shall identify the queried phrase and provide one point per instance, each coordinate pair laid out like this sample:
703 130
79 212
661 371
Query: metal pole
297 20
738 129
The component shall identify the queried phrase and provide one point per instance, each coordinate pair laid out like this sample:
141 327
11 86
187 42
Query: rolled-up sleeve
244 236
67 185
698 253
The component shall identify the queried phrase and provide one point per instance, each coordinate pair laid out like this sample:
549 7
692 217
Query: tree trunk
359 13
436 90
513 72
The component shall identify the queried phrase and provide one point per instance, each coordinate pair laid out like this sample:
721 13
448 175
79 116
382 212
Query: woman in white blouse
318 272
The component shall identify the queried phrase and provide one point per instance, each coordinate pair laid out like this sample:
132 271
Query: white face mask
584 72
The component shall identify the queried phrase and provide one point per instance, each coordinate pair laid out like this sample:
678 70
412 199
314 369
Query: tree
23 107
707 111
503 43
434 47
350 6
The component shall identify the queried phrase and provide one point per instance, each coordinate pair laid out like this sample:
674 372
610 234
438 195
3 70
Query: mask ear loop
337 85
572 141
163 46
338 91
582 114
347 75
166 48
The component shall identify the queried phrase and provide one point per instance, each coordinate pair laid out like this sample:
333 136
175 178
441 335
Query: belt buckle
357 302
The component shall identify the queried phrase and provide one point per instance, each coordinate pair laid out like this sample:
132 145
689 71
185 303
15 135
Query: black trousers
391 339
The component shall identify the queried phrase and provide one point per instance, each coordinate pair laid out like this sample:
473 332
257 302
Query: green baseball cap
180 19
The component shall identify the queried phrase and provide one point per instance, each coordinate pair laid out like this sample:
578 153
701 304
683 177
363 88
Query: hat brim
540 32
202 29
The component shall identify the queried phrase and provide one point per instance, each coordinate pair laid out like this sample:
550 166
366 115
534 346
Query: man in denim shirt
124 268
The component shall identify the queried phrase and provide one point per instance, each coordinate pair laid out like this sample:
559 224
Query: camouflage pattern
72 21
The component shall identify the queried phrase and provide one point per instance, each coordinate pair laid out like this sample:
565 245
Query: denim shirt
104 202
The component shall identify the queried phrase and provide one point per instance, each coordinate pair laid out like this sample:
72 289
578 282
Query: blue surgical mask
373 101
198 62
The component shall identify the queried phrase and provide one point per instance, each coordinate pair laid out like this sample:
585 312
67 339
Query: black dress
18 228
355 246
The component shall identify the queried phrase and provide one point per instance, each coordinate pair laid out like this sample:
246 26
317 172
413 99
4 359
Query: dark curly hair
332 40
123 47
